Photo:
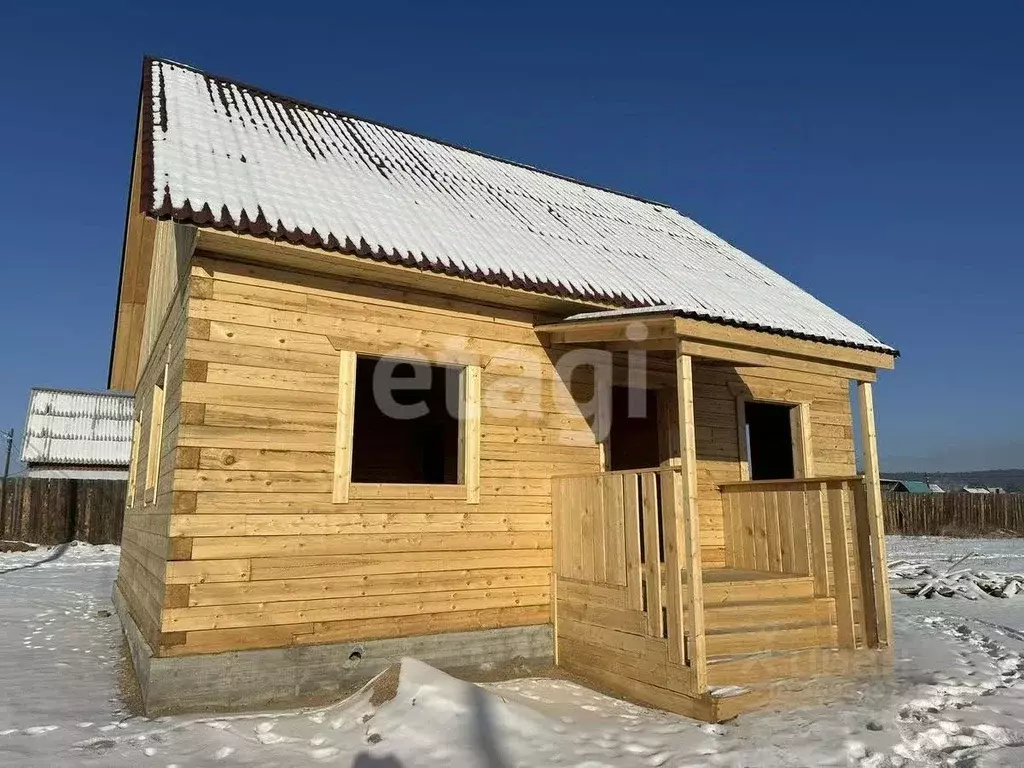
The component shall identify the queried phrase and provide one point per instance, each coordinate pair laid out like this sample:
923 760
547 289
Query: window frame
156 436
799 429
467 487
133 466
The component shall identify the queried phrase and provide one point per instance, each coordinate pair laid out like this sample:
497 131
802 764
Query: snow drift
409 704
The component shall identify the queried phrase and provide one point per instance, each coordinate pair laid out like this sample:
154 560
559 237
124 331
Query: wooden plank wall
609 588
172 246
261 555
832 452
768 527
55 510
145 544
264 557
716 388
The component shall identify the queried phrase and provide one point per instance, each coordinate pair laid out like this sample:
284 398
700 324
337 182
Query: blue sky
873 154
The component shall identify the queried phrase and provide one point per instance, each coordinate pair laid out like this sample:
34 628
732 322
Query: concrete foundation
301 674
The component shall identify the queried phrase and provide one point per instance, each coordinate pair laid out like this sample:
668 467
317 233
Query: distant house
908 486
980 489
78 434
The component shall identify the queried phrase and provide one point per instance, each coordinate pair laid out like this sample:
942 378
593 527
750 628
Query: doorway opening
770 447
633 433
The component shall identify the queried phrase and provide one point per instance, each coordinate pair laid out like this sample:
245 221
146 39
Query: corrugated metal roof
222 154
917 486
77 427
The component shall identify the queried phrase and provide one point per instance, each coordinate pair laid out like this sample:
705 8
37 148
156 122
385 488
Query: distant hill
1010 479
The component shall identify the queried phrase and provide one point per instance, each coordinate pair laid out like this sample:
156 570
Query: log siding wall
271 559
719 457
832 452
258 554
145 543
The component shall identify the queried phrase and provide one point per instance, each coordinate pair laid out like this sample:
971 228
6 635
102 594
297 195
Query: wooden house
624 446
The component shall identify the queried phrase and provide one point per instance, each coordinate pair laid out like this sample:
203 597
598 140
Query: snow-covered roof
221 154
76 427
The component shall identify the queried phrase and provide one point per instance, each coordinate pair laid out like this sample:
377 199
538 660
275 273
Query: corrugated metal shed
221 154
77 427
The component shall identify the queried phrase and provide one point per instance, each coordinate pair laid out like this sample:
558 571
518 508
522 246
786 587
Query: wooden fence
953 514
52 511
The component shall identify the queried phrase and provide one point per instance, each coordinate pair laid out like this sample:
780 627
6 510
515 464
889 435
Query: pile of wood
17 546
930 581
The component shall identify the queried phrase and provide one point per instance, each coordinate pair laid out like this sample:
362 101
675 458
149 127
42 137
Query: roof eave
655 312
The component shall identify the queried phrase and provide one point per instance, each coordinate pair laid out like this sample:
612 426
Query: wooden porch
795 585
631 616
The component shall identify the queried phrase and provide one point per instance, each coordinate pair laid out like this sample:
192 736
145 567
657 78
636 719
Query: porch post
876 525
687 523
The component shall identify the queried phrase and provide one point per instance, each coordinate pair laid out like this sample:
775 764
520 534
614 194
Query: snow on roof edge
681 312
445 208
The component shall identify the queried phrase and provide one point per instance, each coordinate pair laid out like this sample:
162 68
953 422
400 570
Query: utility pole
9 437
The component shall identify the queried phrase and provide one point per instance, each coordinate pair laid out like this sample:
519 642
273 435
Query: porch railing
815 527
620 542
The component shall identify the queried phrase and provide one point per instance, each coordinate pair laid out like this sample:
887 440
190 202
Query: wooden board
346 387
881 623
685 532
469 433
145 537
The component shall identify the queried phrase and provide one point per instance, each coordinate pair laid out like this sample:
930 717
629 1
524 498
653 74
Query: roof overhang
133 275
299 257
223 155
665 329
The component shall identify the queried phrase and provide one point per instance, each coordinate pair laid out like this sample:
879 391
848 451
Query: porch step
768 639
768 614
727 585
749 614
723 646
771 667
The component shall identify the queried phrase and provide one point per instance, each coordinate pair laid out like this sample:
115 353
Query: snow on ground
956 696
